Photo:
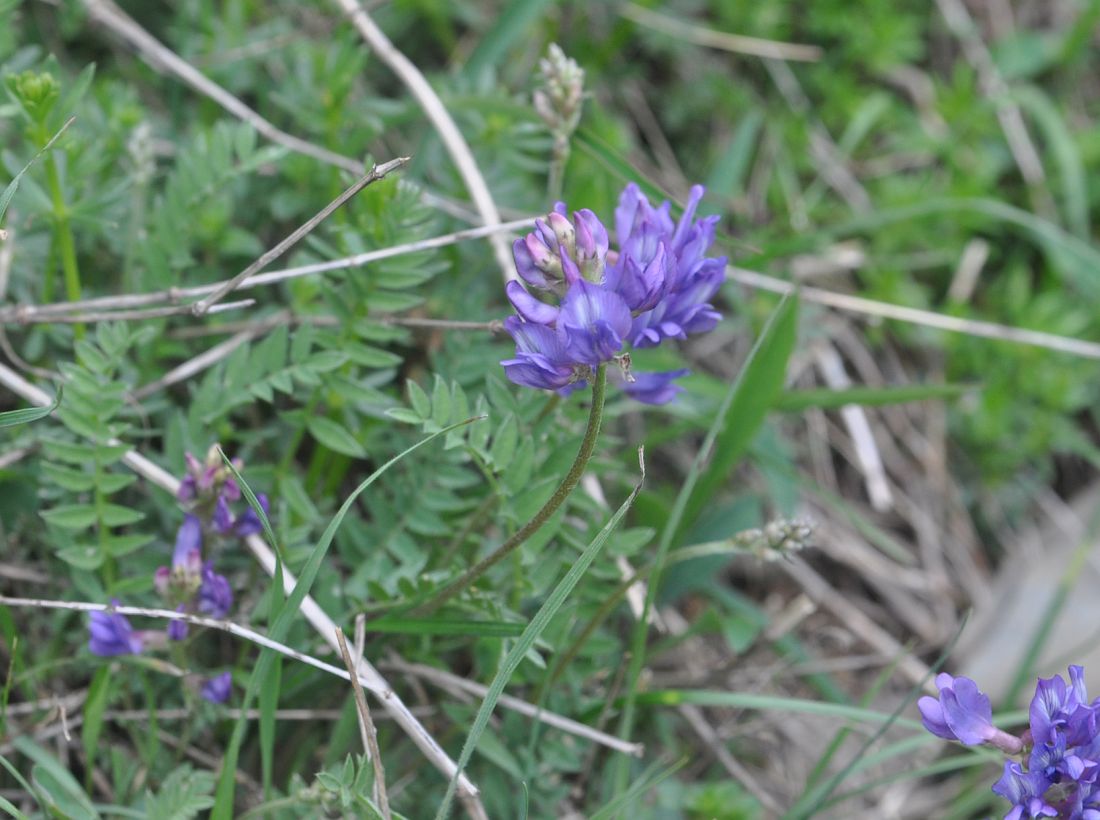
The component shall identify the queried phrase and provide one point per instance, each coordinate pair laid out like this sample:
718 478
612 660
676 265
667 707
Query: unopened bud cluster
558 101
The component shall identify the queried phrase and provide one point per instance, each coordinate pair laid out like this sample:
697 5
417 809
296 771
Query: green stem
572 478
64 236
559 157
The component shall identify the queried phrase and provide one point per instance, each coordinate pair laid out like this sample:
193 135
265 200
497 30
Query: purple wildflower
1061 709
680 304
541 359
249 523
112 634
654 388
1024 790
177 630
215 594
218 688
657 285
188 541
964 713
595 322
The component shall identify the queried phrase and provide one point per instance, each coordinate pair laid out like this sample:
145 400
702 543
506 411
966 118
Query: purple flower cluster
1058 774
190 585
656 286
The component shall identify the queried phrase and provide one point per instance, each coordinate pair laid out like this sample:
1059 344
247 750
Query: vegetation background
921 168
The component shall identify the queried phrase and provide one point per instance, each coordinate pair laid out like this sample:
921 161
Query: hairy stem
572 478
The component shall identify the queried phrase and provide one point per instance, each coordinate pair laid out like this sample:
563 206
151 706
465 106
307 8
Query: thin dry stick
870 307
145 313
855 419
237 630
160 57
313 613
441 120
703 36
31 314
267 257
448 680
366 730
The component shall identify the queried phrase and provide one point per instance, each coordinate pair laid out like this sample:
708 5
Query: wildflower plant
211 496
1053 768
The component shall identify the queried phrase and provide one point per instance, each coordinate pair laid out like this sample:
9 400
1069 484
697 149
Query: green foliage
123 180
85 526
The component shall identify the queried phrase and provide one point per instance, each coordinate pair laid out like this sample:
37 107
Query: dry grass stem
35 314
885 310
703 36
445 679
366 727
831 367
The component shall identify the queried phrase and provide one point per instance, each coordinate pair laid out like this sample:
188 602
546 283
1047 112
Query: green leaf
71 516
441 403
13 186
335 436
182 795
120 545
1060 142
419 399
449 626
11 418
60 789
96 703
504 444
755 390
88 558
115 515
527 640
404 414
795 401
510 26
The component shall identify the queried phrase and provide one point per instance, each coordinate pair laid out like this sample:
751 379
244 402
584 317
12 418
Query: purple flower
1024 790
548 256
595 321
188 542
111 634
654 388
177 630
249 523
691 279
1060 709
215 594
218 688
964 714
1057 763
541 359
657 285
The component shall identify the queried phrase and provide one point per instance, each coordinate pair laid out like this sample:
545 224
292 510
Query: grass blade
774 345
795 401
527 640
26 415
223 805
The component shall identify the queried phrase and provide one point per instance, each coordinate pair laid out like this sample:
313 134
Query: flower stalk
572 478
